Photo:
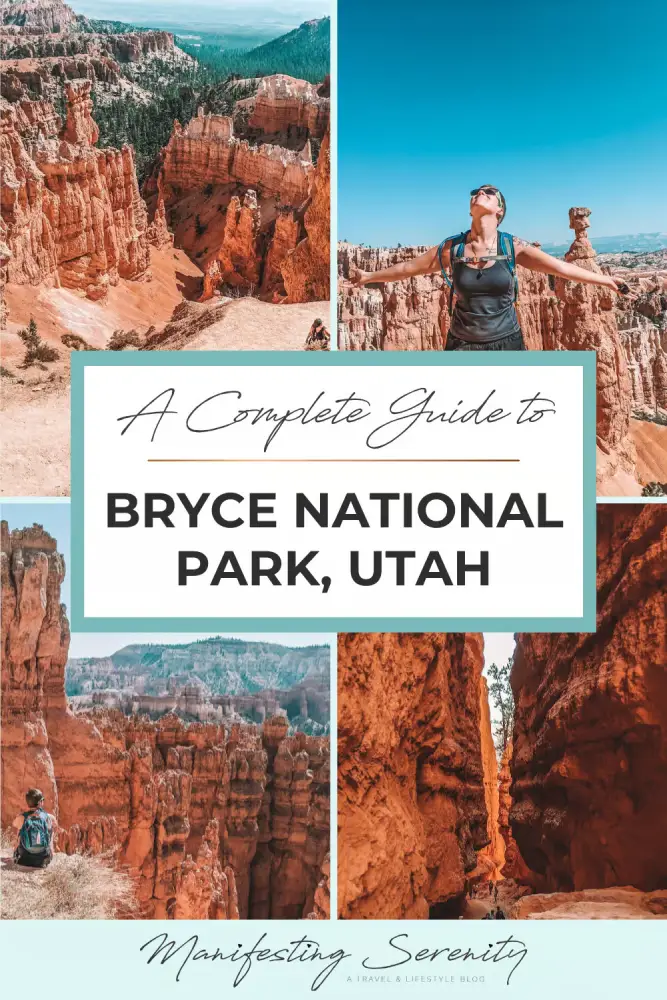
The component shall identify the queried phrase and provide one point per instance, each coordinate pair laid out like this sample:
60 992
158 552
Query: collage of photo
166 185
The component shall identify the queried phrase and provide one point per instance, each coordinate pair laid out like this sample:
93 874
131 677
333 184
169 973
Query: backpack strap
506 246
457 247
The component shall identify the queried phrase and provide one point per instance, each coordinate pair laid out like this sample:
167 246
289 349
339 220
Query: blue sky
54 517
557 104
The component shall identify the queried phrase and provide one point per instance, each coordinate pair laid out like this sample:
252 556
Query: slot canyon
211 820
571 821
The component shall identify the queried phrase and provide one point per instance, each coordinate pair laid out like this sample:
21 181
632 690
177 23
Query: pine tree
502 697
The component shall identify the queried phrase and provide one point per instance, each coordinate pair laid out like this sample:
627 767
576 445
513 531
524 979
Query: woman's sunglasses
484 190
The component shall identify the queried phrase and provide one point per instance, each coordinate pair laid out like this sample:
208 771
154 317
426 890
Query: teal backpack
457 249
35 834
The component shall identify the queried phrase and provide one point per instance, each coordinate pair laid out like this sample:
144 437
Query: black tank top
484 309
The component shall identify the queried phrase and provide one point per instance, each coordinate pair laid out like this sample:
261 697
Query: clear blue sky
557 104
55 518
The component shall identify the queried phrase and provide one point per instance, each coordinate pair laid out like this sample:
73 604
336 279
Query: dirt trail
34 452
651 443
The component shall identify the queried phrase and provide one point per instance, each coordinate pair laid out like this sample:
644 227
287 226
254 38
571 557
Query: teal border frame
586 360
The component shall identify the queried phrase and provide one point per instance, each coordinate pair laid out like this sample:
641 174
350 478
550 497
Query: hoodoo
73 213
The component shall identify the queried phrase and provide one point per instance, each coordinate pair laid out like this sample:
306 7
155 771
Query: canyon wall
206 151
411 784
38 17
285 106
642 324
306 271
26 80
35 640
628 336
244 197
589 762
211 821
72 212
491 859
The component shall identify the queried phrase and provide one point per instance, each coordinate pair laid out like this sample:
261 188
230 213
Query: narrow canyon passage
572 821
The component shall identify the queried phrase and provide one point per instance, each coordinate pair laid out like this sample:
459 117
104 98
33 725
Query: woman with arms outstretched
483 283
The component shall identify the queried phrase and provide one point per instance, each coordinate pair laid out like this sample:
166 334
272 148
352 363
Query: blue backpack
457 249
35 834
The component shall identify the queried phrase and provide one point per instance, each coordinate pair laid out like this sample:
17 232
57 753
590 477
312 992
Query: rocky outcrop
35 639
134 46
589 764
73 212
642 322
286 107
237 262
411 796
398 316
322 904
514 866
274 240
131 47
286 235
38 17
206 151
210 820
306 269
624 903
27 80
554 314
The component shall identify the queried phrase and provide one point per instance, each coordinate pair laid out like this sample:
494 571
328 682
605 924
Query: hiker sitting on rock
479 267
35 828
318 337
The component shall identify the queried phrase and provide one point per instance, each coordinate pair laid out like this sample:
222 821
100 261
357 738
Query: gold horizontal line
334 460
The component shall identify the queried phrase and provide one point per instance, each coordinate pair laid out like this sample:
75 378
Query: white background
132 572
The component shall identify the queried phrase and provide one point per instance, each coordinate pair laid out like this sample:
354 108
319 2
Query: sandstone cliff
211 821
491 859
252 212
589 764
411 789
306 270
38 17
286 108
73 213
628 336
514 866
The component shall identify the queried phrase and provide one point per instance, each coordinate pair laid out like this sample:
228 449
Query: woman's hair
34 797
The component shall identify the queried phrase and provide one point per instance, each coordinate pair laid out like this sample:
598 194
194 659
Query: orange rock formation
589 763
306 270
491 859
275 237
212 822
73 213
411 785
514 866
283 105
